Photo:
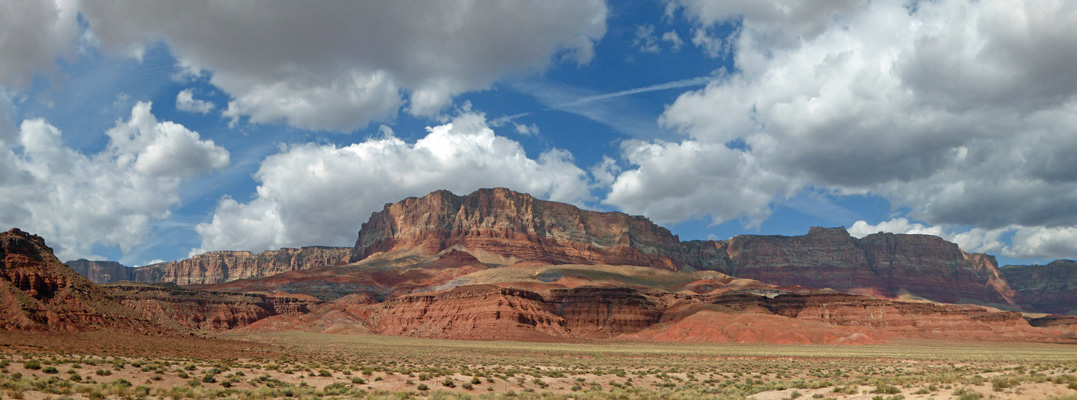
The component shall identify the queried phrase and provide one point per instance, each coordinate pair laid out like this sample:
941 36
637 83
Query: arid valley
498 294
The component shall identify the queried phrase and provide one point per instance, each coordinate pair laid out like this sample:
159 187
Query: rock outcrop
883 263
39 293
215 266
505 312
513 224
520 227
193 310
102 271
1048 288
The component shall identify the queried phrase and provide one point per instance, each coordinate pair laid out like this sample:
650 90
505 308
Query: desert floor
303 365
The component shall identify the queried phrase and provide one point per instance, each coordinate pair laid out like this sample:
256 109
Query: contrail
698 81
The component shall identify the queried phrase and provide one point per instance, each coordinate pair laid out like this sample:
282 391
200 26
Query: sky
142 131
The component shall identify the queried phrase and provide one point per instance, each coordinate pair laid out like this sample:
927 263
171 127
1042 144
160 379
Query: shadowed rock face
102 271
510 224
884 263
38 292
1049 288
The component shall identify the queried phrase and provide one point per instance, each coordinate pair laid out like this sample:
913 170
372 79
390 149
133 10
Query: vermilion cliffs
518 226
497 264
38 292
215 266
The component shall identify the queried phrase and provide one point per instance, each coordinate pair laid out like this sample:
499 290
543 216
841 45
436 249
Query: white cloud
777 22
33 35
674 40
111 198
322 194
961 111
677 181
1036 242
898 225
526 130
645 39
1042 242
185 101
340 66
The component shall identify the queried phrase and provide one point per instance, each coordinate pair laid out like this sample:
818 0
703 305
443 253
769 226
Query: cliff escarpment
1048 288
520 227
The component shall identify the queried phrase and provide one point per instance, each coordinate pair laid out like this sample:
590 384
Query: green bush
32 364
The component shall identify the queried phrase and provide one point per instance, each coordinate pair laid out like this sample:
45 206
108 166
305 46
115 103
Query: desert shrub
422 387
50 370
32 364
886 389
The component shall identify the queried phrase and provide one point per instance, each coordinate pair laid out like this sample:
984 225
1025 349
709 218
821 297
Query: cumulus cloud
33 35
676 181
185 101
340 66
111 198
323 193
527 130
961 111
898 225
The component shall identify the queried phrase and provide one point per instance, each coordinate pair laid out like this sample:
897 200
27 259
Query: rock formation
102 271
883 263
506 312
512 224
192 310
520 227
1048 288
215 266
38 292
224 266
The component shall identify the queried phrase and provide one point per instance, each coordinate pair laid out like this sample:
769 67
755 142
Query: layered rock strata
215 266
518 226
191 310
39 293
1048 288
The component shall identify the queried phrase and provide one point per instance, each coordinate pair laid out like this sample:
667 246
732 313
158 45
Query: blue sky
143 131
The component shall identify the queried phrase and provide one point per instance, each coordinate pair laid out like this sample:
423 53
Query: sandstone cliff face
1049 288
510 224
884 263
102 271
225 266
191 310
38 292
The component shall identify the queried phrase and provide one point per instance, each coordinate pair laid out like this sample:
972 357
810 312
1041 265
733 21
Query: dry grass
301 365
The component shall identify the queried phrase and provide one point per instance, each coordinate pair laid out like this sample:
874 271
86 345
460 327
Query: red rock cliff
183 309
1049 288
38 292
513 224
226 266
884 263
